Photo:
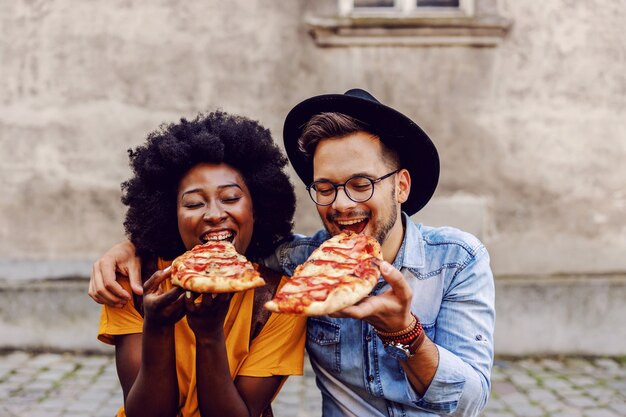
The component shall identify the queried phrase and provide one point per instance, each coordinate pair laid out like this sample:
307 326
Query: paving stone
619 407
55 385
581 402
516 400
600 412
582 381
44 360
523 380
542 395
499 413
528 411
530 365
572 412
579 365
36 412
53 403
601 394
552 407
557 384
552 364
504 388
495 405
606 363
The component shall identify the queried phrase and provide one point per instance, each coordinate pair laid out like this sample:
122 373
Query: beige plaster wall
531 132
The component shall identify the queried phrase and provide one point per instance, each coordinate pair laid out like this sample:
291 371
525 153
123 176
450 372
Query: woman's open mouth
218 235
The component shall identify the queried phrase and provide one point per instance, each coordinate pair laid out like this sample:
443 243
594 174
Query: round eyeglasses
358 189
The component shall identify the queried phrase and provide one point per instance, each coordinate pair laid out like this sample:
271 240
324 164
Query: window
404 7
409 23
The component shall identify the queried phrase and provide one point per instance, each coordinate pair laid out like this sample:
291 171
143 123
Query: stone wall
530 132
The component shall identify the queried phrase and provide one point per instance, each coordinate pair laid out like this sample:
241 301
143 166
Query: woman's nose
214 213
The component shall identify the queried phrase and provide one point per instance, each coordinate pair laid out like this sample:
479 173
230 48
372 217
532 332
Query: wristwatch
399 351
403 351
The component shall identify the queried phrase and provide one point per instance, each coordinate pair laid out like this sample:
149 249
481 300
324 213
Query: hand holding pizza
206 315
389 311
162 308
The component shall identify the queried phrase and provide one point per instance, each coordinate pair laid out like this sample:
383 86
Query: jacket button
368 337
370 378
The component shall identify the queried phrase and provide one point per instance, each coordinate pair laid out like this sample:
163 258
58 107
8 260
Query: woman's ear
403 185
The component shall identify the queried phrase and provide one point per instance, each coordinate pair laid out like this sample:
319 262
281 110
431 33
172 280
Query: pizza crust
215 284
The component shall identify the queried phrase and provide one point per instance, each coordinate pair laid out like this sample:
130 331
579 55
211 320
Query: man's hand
103 286
389 311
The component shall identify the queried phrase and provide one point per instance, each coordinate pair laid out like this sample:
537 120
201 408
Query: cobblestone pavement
66 385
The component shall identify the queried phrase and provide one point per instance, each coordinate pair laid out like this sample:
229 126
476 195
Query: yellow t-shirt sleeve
119 321
278 349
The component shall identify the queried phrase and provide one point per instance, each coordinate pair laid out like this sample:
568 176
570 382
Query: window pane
437 3
374 3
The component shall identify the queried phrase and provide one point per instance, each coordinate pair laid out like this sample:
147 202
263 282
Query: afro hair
170 151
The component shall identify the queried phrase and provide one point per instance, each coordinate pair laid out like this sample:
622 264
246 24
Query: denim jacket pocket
323 343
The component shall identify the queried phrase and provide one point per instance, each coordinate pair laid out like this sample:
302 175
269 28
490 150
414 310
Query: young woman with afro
216 177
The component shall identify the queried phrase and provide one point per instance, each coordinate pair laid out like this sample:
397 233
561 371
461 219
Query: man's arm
391 312
103 286
464 339
450 374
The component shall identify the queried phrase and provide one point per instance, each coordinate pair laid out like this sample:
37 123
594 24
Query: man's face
338 159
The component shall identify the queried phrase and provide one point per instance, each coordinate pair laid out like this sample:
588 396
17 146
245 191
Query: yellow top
277 350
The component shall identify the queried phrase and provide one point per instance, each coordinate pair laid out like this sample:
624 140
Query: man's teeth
218 236
348 222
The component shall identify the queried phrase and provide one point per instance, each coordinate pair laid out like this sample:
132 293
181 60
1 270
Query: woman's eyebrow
220 187
229 185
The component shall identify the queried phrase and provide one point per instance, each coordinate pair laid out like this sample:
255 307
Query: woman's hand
162 308
206 312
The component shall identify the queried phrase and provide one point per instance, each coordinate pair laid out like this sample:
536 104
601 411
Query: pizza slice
338 274
214 267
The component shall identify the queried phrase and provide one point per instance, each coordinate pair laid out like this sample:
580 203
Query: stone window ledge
442 29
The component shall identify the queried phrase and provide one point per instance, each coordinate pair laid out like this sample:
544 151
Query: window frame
472 23
406 8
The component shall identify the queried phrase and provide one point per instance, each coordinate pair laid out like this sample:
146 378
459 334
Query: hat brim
416 151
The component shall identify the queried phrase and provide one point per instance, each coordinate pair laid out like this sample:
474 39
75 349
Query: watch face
398 351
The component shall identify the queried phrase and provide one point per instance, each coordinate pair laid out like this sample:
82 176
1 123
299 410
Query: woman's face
214 203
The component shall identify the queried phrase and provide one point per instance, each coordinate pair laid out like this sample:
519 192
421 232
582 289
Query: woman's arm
146 363
218 394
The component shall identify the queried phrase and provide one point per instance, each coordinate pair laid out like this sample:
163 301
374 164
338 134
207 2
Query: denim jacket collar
412 243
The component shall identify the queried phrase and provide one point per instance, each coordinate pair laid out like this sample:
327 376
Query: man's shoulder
299 240
449 238
295 251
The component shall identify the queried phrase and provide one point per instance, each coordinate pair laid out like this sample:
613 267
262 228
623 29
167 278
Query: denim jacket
453 296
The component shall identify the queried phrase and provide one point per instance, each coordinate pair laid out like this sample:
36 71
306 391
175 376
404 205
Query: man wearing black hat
422 342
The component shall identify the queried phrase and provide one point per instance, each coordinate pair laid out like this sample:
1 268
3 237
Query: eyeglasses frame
336 187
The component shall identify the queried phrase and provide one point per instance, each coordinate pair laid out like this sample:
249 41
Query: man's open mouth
353 225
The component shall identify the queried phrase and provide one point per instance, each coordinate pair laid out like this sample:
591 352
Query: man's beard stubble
382 226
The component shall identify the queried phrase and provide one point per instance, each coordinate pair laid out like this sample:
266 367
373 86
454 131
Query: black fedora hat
417 152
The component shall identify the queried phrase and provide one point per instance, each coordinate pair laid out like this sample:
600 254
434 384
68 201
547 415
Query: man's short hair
338 125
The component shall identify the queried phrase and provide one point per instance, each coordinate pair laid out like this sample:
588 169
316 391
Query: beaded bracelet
399 332
403 336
